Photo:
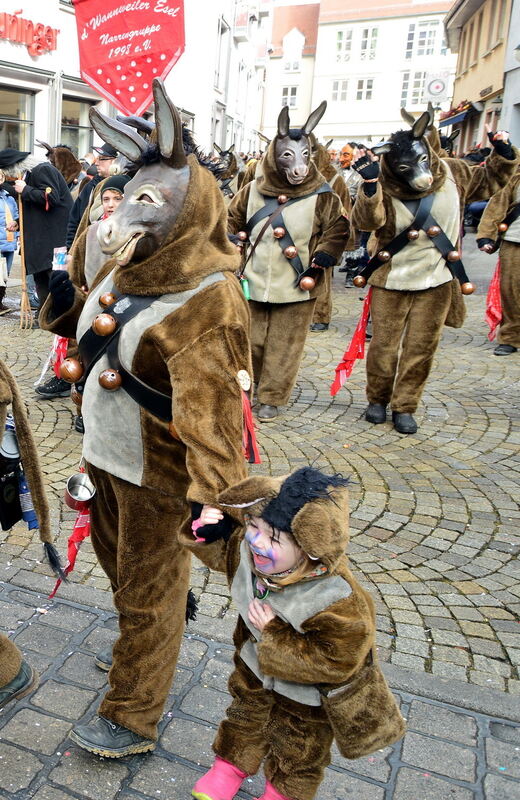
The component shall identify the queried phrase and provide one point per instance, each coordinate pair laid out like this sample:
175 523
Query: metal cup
79 491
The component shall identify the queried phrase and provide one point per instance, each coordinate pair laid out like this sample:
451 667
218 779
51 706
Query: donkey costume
180 357
309 230
415 293
500 227
320 638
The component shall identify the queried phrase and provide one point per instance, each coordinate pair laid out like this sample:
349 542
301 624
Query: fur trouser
294 739
278 334
134 534
509 332
10 660
413 321
323 307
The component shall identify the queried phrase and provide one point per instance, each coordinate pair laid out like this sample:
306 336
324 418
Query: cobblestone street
434 535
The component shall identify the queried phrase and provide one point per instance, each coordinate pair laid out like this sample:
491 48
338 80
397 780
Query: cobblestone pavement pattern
434 536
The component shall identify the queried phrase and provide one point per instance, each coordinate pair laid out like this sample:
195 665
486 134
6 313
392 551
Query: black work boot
106 738
103 659
504 350
267 413
79 425
55 387
375 413
404 422
26 680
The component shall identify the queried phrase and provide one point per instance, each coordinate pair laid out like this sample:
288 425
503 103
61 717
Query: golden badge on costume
244 379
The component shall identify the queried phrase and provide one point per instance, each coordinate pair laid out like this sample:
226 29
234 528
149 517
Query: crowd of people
181 303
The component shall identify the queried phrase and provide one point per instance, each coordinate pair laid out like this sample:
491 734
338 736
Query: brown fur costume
326 647
194 353
496 210
10 660
402 322
327 232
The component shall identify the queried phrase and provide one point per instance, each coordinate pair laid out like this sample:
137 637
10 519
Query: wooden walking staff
26 315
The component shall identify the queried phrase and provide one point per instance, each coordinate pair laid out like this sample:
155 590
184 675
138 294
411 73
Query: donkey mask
293 146
155 196
407 155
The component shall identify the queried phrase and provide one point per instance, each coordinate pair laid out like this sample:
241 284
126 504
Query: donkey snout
423 182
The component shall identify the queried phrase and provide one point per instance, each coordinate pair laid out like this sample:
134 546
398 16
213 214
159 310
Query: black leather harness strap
276 220
444 246
508 220
157 403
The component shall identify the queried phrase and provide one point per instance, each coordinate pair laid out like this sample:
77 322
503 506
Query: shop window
75 126
16 119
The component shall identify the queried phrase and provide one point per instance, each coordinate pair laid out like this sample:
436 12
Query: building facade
477 30
510 116
217 82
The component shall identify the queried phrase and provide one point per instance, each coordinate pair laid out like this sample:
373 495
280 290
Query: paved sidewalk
449 752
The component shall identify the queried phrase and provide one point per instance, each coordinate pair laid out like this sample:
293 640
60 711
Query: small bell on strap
242 235
433 230
502 228
467 288
453 255
110 379
107 299
71 370
412 234
279 232
291 251
282 199
384 255
104 324
307 283
359 281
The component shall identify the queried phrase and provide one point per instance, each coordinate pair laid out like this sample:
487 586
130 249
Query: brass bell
76 397
453 255
84 288
291 251
242 235
503 227
307 283
467 288
110 379
104 325
384 255
433 230
359 281
71 370
107 299
279 233
282 198
413 234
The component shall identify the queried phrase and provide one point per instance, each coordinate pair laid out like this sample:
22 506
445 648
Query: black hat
115 183
9 157
107 151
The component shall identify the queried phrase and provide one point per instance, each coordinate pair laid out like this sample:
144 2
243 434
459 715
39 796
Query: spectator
106 157
8 233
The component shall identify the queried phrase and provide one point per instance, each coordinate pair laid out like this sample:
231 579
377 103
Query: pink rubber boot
270 793
221 782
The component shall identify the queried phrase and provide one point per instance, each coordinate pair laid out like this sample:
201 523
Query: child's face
272 550
111 200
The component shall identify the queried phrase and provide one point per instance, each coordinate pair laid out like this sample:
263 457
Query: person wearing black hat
105 159
46 204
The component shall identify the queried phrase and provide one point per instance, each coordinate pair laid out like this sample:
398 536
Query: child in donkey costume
171 433
306 627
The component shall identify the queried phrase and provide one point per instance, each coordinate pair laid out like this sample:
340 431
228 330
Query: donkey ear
217 148
431 112
120 136
382 147
409 118
328 144
139 123
314 117
420 125
231 148
250 491
454 135
44 144
283 122
169 127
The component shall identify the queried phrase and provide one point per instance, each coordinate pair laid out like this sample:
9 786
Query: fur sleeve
66 324
237 211
334 227
207 409
334 645
369 213
77 264
481 182
496 210
219 556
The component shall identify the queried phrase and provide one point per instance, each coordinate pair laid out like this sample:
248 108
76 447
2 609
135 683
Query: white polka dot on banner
132 99
163 57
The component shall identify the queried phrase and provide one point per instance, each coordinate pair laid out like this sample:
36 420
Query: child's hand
260 613
210 515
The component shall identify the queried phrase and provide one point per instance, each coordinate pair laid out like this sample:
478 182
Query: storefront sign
125 45
37 37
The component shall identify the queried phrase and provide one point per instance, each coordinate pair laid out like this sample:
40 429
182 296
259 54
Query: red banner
123 46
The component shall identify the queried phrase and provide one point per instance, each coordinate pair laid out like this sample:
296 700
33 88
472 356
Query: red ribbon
60 353
355 350
494 304
80 532
249 442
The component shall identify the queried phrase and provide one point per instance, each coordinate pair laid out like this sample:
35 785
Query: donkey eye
305 153
423 159
144 198
403 167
